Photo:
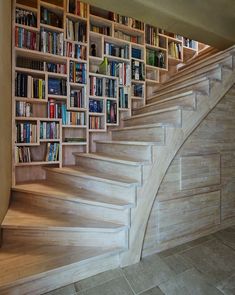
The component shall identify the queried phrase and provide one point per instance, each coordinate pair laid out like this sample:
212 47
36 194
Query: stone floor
205 266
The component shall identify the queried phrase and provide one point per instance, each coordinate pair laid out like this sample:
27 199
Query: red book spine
52 109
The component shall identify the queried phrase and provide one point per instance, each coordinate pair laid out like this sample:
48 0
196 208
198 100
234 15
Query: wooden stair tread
164 110
94 175
22 263
126 142
31 217
113 158
161 125
191 92
78 195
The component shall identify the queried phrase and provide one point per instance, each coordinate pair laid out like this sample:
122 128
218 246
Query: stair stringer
175 138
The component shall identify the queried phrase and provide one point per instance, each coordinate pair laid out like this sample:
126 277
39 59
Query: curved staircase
91 217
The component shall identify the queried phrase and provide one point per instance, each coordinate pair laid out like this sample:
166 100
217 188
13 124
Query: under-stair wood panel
211 147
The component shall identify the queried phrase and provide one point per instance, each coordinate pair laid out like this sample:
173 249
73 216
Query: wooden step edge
30 227
116 204
205 70
107 158
173 97
157 125
191 83
122 142
166 110
105 178
104 252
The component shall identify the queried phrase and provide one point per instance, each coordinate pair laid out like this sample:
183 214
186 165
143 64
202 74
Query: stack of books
75 51
111 88
77 98
151 35
52 42
114 50
96 86
57 86
27 39
138 71
95 106
22 155
52 153
111 112
49 130
23 109
75 31
123 97
25 17
175 50
77 72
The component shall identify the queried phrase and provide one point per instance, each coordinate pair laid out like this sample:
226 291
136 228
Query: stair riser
107 189
134 152
214 74
64 276
81 209
186 102
203 87
171 118
156 134
110 167
65 238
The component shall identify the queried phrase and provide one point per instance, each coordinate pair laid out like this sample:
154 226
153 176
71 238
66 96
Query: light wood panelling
204 164
199 171
5 105
176 218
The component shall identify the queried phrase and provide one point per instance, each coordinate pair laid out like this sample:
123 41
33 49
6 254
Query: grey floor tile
148 273
189 282
213 259
98 279
153 291
227 236
67 290
177 263
174 250
228 285
118 286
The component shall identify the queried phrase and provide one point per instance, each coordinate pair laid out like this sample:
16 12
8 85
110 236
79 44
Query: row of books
78 98
57 86
52 153
175 50
95 106
111 112
25 17
126 37
116 69
58 110
118 51
77 7
127 21
123 97
95 122
74 50
52 42
22 154
96 86
49 130
23 109
151 35
190 43
136 53
50 18
56 68
27 86
26 132
26 39
137 70
23 62
77 72
155 58
101 29
137 90
111 88
76 31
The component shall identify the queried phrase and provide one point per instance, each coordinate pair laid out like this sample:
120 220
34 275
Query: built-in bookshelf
77 70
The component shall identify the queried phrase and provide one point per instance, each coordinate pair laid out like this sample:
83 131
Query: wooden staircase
91 217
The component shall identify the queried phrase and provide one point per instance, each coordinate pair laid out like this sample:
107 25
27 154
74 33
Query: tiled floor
202 267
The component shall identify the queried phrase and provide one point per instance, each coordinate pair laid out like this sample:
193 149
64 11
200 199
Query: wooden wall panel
187 215
5 105
199 171
205 164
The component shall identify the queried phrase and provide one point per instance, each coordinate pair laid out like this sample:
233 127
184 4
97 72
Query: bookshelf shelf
106 61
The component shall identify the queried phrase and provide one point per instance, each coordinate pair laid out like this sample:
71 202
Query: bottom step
37 270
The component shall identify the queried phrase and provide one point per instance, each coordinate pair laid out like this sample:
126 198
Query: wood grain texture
203 165
199 171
